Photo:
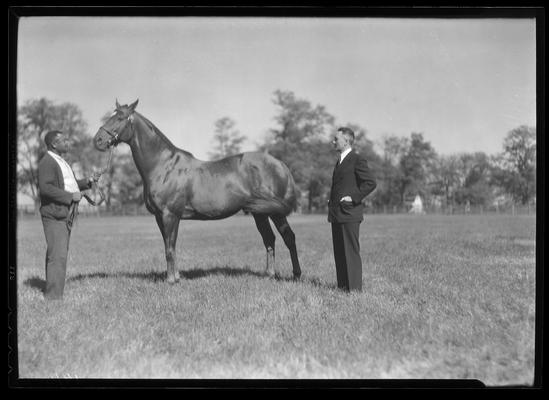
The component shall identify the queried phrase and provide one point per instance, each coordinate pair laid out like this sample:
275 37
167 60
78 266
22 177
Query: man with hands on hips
352 181
59 197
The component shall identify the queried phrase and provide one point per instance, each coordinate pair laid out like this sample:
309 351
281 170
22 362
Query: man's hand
346 198
76 197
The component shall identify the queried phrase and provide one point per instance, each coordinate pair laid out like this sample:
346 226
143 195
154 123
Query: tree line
301 137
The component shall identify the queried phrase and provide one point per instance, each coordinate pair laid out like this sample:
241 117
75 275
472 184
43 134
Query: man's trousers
57 239
347 255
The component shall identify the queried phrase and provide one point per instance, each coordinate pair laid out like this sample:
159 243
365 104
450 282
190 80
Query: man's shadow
36 283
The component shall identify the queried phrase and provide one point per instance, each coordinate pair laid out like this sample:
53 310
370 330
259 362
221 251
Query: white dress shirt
68 175
344 154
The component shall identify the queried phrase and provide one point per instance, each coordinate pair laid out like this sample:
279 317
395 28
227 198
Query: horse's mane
159 133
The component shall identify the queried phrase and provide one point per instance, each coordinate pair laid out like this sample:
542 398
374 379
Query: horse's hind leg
288 236
264 228
169 226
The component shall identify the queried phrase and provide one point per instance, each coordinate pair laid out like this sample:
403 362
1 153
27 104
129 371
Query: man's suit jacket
54 199
351 178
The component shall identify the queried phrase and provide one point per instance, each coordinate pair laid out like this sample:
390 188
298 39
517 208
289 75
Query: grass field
444 297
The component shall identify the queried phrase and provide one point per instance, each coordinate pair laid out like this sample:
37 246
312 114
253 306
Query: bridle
112 143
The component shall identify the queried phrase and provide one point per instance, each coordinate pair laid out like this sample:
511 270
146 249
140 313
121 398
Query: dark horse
178 186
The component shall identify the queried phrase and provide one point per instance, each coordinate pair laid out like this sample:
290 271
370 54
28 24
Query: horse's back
255 182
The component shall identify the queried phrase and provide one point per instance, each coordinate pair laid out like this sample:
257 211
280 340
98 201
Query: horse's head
118 127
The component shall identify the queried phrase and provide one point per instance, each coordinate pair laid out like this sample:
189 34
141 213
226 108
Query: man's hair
348 133
50 137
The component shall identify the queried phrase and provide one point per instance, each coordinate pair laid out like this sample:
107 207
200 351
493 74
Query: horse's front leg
169 226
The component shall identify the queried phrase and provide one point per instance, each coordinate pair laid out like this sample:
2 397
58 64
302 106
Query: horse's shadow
160 276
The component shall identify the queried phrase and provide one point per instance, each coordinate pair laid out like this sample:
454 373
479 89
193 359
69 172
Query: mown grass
443 298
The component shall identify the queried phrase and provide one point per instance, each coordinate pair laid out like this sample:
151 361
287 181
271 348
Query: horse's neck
150 147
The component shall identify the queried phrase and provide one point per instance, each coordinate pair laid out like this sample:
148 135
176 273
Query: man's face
340 141
61 143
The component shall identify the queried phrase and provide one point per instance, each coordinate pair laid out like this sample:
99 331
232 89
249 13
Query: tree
474 171
447 178
298 120
127 185
365 146
415 166
389 177
35 118
516 171
318 173
300 141
227 139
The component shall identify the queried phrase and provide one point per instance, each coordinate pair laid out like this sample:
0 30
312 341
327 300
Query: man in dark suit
59 197
352 181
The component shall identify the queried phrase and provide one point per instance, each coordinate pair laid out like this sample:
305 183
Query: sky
463 83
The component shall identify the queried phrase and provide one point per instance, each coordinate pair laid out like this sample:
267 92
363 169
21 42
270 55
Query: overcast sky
463 83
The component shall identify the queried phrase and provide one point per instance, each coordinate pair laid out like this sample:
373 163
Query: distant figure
417 206
59 197
352 181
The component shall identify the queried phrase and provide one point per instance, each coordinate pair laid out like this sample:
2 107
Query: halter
112 143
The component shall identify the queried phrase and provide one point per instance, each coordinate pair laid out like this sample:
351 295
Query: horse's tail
292 191
269 206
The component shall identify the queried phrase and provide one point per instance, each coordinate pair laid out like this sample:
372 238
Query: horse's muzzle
103 144
100 145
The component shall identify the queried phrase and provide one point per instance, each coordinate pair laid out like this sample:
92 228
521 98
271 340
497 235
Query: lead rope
101 195
108 162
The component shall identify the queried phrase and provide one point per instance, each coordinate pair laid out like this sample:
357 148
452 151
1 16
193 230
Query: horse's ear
117 105
133 105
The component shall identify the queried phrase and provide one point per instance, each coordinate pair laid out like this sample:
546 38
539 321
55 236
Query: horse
177 186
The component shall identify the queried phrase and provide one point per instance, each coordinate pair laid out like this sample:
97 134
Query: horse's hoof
172 280
297 276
